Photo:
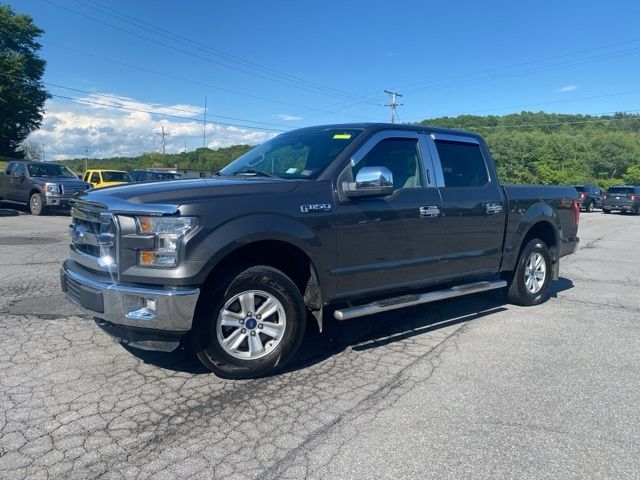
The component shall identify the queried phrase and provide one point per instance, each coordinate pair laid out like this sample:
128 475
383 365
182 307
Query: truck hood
166 196
60 181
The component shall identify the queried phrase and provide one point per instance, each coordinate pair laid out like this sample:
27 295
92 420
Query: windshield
115 177
50 170
579 188
620 190
293 155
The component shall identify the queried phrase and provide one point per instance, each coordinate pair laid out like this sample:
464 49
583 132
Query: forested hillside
552 148
201 158
528 148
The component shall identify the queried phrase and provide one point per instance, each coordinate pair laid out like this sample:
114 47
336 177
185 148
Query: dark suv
591 196
625 198
151 176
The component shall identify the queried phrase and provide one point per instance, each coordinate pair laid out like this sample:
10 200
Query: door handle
429 211
493 208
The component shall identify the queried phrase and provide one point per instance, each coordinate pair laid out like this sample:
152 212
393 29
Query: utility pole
394 105
204 126
163 134
86 157
43 152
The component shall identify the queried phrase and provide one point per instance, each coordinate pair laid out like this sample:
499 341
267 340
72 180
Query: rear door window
620 190
462 164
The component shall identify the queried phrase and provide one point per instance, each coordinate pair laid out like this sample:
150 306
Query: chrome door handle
429 211
492 208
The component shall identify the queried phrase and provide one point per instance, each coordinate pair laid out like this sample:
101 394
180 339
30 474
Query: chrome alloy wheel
535 272
36 204
251 324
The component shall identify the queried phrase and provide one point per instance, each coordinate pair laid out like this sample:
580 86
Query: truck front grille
70 189
94 235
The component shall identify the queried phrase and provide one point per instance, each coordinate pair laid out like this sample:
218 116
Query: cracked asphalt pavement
466 388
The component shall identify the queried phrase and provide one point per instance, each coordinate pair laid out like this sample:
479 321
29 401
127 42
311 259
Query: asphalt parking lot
465 388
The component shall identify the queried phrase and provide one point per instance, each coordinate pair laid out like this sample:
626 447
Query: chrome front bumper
132 307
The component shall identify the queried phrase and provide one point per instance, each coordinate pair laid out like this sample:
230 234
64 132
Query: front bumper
57 201
127 312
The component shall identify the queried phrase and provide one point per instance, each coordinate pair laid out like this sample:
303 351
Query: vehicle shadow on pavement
364 333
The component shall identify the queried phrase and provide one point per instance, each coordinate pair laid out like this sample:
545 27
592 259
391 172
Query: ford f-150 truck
348 220
40 185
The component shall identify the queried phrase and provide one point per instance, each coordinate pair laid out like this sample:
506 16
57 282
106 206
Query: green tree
22 93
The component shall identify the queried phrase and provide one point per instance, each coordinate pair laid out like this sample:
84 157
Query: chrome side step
417 299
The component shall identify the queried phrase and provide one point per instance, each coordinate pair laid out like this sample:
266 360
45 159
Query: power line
154 105
568 100
187 80
97 6
120 107
186 52
520 64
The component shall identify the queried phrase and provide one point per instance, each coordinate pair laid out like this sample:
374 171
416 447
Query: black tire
591 206
37 205
517 290
606 210
205 338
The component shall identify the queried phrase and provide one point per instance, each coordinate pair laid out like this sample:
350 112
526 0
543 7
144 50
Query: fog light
139 308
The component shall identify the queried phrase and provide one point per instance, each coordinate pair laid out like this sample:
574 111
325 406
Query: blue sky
295 63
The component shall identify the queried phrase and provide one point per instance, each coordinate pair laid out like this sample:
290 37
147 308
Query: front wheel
606 210
36 204
530 282
253 328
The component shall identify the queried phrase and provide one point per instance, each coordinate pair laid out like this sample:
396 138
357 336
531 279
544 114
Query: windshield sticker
342 136
292 170
306 173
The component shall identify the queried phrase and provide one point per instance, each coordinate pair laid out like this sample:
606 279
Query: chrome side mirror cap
371 182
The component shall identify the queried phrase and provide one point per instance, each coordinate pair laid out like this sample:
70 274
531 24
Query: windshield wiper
255 172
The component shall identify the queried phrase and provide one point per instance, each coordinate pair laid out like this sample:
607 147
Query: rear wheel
605 210
530 282
253 327
36 204
591 206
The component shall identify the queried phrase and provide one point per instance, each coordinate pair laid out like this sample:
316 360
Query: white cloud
567 88
68 126
288 118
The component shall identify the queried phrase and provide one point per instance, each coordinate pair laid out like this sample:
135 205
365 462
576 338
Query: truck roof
372 126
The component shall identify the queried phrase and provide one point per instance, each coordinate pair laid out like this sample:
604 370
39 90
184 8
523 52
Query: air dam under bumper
142 317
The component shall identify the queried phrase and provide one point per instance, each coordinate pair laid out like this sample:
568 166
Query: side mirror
371 182
17 175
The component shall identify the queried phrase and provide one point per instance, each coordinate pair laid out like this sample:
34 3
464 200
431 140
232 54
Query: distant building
195 173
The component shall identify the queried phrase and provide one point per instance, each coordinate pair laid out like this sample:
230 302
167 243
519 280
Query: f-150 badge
316 207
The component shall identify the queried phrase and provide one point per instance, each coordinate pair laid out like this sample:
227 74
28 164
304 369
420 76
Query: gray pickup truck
40 185
348 220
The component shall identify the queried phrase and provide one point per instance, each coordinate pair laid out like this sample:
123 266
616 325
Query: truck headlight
50 188
169 231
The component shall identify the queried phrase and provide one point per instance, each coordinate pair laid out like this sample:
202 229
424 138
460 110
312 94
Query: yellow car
106 178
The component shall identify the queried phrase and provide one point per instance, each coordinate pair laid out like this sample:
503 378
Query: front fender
241 231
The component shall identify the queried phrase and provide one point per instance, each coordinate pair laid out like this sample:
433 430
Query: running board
417 299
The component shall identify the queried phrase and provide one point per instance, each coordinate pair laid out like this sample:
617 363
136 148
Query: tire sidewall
524 297
590 207
40 197
268 280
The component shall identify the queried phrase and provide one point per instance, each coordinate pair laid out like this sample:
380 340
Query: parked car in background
153 175
624 198
591 196
349 219
106 178
40 185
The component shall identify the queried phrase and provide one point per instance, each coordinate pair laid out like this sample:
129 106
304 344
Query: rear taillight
583 194
634 197
576 212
